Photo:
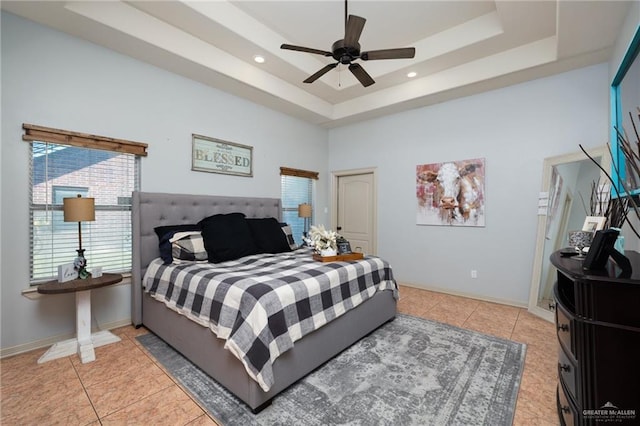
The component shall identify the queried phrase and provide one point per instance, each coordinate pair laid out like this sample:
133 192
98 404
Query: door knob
339 228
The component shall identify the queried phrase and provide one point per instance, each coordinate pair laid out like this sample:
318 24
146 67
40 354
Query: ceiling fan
347 50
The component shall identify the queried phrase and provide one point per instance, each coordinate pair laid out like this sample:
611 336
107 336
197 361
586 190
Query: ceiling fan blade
363 77
402 53
353 29
320 73
305 49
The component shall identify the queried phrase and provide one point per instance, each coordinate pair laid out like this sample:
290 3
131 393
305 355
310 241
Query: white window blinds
59 171
297 188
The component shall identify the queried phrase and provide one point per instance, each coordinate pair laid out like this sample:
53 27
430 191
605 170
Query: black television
600 250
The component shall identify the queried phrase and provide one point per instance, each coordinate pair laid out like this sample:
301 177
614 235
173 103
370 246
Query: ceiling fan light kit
347 50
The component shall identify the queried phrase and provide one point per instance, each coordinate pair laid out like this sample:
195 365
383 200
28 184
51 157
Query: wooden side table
85 341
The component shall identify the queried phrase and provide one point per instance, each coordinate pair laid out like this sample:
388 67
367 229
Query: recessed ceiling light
259 59
412 74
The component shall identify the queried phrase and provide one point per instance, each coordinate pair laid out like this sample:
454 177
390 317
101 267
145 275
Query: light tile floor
125 386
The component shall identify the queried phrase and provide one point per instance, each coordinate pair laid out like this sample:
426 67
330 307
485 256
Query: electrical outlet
474 273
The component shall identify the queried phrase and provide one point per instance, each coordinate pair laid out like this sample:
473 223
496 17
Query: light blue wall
514 129
51 79
54 80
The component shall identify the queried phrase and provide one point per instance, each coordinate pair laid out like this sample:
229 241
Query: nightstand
85 341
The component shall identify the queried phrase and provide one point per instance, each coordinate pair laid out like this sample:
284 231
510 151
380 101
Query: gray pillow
288 232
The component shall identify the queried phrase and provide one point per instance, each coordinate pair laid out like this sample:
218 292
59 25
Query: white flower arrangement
322 239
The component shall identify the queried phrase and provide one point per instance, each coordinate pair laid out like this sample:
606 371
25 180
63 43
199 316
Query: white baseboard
43 343
468 295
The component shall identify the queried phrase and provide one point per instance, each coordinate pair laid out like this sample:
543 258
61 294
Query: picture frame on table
67 272
344 247
594 223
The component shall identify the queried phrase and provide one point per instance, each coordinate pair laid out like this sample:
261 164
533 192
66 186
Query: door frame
335 175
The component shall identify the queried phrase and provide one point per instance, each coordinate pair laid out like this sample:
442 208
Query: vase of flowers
323 241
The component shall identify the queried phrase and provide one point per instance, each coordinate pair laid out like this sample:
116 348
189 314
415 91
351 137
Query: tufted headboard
150 209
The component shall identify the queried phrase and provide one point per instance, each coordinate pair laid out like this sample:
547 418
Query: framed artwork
218 156
594 223
451 194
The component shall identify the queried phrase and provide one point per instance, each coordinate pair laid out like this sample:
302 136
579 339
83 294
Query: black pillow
165 233
268 236
217 217
227 237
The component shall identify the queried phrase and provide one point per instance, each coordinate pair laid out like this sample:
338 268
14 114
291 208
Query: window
297 188
58 171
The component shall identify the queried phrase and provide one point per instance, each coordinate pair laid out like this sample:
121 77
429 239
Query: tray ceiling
462 47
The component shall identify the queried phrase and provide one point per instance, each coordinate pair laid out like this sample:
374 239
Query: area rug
410 371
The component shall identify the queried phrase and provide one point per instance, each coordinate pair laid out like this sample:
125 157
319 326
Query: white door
355 207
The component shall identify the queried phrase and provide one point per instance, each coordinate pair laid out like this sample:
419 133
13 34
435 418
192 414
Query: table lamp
79 210
304 210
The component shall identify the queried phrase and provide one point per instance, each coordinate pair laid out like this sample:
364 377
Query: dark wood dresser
598 327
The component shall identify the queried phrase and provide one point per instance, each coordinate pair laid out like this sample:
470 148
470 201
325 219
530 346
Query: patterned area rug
410 371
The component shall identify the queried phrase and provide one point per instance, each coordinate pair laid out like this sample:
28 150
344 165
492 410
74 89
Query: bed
197 342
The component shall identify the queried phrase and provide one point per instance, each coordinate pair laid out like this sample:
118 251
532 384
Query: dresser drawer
566 410
567 371
564 326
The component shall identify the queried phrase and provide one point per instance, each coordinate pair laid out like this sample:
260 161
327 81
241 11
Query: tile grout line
513 329
469 316
100 419
178 384
84 388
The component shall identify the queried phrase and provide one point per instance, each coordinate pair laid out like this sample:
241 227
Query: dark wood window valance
286 171
82 140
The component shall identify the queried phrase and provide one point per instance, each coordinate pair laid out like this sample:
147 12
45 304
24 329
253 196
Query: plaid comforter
262 304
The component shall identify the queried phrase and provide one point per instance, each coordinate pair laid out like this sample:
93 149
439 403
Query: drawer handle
564 367
563 327
565 409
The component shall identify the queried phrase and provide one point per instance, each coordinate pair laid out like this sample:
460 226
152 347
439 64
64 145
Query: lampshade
79 209
304 210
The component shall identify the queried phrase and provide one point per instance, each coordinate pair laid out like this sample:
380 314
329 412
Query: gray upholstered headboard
150 209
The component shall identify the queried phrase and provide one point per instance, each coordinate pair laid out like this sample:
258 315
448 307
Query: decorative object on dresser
598 323
593 223
603 247
85 341
579 240
411 371
80 210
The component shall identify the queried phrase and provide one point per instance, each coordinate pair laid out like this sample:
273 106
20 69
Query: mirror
567 179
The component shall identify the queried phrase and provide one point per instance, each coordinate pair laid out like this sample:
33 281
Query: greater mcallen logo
610 413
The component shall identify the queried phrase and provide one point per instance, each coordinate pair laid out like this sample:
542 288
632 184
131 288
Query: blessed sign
218 156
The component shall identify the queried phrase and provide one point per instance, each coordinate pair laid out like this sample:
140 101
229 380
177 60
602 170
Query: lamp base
80 265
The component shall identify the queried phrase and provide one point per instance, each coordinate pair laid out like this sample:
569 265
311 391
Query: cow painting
451 193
